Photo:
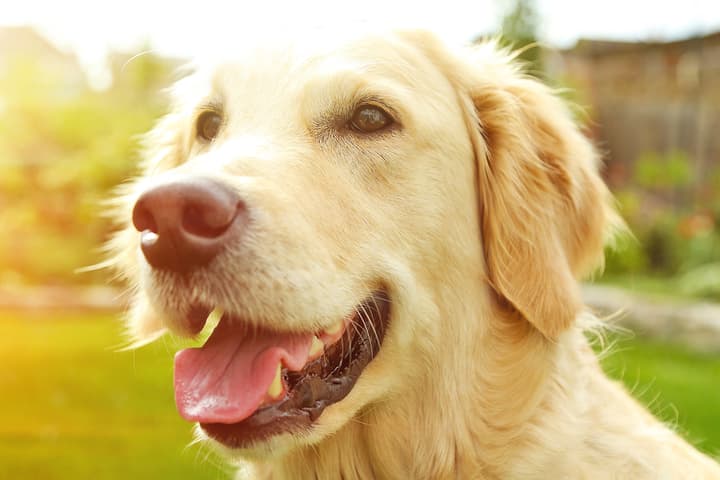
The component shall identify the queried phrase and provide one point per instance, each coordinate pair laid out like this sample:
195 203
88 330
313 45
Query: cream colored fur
479 212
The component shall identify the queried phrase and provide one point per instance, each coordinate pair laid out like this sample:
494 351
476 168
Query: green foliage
702 281
73 407
626 256
519 31
675 220
663 172
63 147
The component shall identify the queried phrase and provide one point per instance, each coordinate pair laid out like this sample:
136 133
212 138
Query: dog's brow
213 105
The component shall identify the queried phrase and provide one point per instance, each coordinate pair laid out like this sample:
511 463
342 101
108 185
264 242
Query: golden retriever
389 232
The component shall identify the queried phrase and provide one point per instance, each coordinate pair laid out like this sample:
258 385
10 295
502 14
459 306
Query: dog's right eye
208 126
368 118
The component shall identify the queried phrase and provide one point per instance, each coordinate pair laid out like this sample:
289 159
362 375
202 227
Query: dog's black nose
186 223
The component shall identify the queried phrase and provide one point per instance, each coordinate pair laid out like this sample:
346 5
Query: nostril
143 219
208 221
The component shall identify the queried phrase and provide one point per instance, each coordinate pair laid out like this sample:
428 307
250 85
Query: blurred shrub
675 220
63 147
702 281
519 32
626 256
663 172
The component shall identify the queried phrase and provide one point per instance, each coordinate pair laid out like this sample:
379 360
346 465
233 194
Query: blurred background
80 81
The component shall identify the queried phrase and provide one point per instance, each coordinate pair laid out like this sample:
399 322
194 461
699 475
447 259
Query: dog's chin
272 447
283 412
283 443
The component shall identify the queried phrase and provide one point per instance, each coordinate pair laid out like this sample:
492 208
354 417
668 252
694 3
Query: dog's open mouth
244 385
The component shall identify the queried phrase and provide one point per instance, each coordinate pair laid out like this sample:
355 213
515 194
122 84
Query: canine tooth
317 347
215 316
335 329
276 387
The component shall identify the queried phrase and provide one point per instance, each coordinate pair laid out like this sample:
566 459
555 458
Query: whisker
379 317
365 320
342 352
356 327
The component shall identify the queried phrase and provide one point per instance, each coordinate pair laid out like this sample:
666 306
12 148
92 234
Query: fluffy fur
479 211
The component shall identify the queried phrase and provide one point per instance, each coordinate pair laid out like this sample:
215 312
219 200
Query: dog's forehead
284 65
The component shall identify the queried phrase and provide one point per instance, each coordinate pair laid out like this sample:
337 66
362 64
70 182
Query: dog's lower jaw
359 450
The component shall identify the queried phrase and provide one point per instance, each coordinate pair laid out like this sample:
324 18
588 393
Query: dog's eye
208 125
370 118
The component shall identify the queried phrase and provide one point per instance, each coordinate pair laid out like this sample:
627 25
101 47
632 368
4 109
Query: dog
384 236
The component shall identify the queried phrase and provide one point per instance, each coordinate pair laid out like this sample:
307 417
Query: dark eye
370 118
208 125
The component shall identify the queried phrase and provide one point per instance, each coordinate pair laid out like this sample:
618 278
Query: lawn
680 385
74 407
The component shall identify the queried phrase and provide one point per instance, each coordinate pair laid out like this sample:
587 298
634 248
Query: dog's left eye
370 118
208 125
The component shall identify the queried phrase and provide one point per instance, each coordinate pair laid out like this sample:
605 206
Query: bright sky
91 27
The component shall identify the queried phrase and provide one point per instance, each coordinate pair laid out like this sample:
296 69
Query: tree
519 31
63 148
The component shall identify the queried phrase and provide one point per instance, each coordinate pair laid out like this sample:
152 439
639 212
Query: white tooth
317 347
276 387
335 329
211 322
215 316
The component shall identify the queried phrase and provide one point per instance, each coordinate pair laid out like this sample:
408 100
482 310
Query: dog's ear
544 211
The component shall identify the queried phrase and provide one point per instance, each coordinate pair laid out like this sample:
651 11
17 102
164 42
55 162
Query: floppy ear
544 211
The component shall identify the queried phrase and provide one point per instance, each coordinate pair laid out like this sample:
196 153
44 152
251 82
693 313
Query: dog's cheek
143 324
128 257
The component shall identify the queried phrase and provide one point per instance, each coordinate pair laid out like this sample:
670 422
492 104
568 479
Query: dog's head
353 212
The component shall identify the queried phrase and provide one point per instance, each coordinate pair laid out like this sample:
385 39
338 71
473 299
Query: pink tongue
226 380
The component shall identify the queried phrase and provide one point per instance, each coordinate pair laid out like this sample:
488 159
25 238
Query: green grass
680 386
73 407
